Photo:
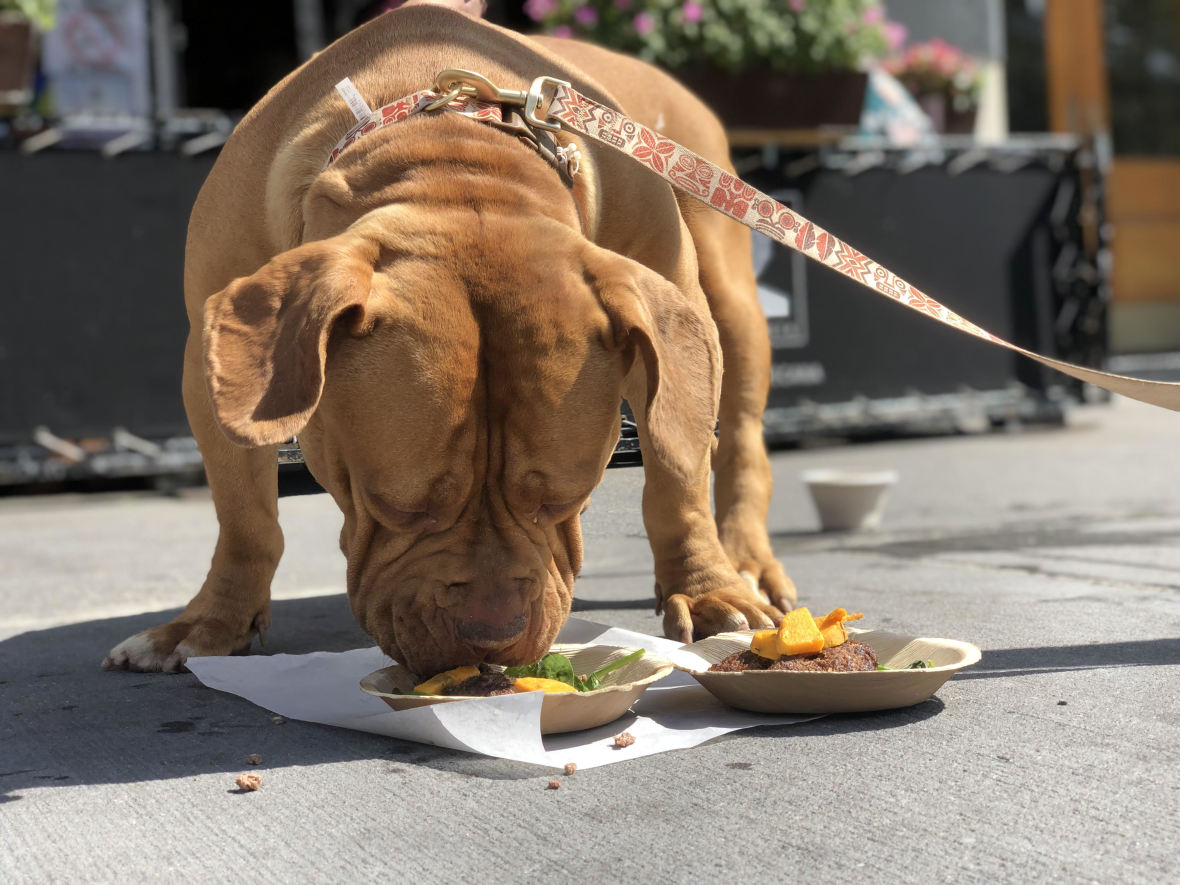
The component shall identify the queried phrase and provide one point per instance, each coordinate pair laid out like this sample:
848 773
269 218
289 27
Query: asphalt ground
1052 760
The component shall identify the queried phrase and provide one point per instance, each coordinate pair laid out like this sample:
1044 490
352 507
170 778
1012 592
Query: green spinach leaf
553 666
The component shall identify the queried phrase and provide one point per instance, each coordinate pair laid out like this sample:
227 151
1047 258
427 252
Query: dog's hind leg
233 605
742 481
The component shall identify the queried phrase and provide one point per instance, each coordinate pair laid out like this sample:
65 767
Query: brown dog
449 325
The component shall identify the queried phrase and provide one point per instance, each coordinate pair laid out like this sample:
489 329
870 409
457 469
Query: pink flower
538 9
691 11
873 15
587 16
797 5
644 24
623 5
895 35
563 31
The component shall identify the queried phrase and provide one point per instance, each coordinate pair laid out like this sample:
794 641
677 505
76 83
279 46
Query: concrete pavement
1053 760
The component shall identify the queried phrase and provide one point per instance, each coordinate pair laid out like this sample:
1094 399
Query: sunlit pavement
1054 759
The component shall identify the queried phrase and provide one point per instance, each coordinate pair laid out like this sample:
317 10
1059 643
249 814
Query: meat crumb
625 739
254 759
554 785
249 782
570 767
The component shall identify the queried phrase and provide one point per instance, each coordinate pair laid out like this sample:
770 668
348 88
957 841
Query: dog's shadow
68 722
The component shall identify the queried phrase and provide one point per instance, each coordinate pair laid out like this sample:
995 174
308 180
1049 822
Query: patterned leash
471 94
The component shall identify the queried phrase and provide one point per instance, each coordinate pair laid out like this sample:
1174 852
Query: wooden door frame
1142 193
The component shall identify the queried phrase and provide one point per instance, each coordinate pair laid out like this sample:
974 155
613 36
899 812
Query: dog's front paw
718 611
757 565
167 647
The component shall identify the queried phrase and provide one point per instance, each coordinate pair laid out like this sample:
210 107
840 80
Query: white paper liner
674 713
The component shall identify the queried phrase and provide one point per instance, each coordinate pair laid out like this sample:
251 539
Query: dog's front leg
234 602
697 588
672 382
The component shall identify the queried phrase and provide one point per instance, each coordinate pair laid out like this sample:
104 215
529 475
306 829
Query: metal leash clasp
455 82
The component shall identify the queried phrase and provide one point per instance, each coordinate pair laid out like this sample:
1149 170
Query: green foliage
808 35
42 13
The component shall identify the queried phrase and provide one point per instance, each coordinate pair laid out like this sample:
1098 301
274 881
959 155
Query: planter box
946 120
762 98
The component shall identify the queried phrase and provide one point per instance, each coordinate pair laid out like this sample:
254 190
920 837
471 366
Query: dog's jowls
449 328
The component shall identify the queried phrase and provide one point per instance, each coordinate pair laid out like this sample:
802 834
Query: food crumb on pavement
249 782
554 785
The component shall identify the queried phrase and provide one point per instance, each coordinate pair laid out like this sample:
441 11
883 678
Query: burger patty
848 657
483 685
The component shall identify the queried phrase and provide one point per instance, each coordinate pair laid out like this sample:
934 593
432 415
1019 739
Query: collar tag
360 109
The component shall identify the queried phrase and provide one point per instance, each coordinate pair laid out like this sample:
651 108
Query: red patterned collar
396 111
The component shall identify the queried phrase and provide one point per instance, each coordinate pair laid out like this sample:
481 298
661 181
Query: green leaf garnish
553 666
593 680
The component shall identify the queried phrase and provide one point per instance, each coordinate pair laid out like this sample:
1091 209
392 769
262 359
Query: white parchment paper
323 687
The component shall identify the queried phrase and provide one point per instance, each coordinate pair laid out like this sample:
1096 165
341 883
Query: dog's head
460 401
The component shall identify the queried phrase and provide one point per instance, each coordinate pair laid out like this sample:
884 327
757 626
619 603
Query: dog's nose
490 616
484 633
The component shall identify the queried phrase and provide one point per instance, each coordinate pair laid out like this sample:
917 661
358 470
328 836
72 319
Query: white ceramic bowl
849 500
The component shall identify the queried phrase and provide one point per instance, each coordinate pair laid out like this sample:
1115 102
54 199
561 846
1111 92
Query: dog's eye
396 517
559 512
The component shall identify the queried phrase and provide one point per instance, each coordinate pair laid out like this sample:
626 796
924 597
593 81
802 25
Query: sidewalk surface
1055 759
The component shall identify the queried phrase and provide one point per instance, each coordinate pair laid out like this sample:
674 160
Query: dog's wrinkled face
462 435
460 403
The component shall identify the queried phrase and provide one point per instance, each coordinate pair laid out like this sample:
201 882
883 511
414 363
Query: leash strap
728 194
707 182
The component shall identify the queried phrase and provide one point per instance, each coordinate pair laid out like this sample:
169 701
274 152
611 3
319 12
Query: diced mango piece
837 616
831 626
436 684
764 643
538 683
834 635
798 634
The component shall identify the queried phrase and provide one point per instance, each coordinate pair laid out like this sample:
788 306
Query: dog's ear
266 336
675 377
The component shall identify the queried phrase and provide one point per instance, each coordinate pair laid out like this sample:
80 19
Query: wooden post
1075 67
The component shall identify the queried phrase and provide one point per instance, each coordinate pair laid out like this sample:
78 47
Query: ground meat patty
848 657
485 685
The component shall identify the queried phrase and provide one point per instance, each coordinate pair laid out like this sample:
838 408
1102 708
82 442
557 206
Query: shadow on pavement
1013 537
590 605
1054 659
67 721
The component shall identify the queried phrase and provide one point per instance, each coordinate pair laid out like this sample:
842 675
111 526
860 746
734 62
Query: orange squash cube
540 683
436 684
798 634
764 643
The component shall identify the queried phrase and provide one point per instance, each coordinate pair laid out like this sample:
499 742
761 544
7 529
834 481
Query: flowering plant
808 35
937 68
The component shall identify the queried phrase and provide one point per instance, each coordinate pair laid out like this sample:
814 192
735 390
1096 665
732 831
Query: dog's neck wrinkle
465 164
